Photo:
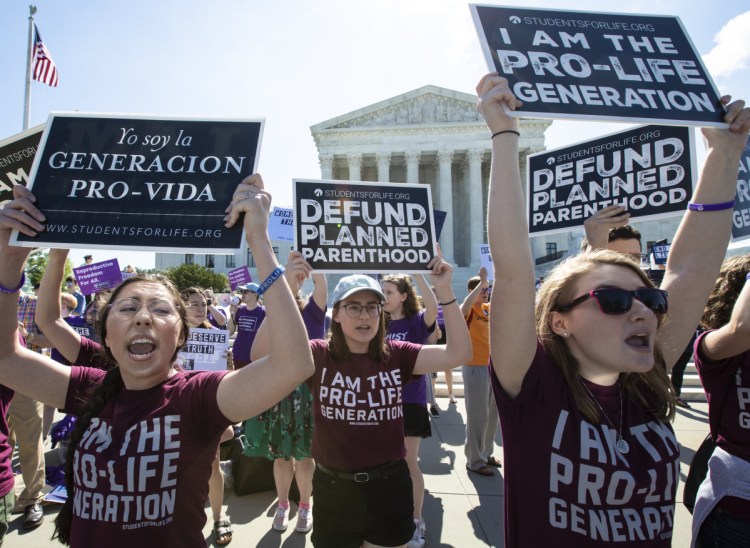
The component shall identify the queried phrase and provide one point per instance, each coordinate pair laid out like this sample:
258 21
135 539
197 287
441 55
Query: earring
565 334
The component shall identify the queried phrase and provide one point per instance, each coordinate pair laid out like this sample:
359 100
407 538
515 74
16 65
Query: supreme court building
432 136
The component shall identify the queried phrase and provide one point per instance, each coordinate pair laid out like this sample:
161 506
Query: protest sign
659 254
439 222
98 276
16 158
741 214
239 276
281 224
114 181
205 350
345 226
599 66
649 170
485 260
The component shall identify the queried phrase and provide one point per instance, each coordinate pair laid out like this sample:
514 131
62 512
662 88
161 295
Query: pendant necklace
621 445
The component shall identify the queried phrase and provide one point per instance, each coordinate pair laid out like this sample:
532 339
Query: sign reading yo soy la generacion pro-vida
150 183
345 226
649 170
16 158
613 66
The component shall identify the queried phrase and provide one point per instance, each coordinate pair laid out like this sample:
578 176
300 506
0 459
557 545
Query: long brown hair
653 389
727 288
189 292
404 285
107 391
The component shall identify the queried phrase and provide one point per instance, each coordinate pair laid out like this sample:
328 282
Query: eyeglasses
614 301
158 308
354 310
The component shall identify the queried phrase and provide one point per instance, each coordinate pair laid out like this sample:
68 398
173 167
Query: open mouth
141 348
639 341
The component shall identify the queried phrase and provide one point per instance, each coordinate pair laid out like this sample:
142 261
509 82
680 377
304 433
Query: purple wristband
20 285
710 207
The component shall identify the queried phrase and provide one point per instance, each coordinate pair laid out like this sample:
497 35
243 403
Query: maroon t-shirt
359 420
728 381
141 468
566 483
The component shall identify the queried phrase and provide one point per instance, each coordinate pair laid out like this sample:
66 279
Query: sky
295 63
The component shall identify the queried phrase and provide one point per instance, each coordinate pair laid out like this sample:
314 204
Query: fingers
738 117
249 197
614 215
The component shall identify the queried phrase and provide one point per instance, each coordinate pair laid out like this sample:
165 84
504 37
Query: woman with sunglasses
140 456
363 493
408 321
580 376
722 356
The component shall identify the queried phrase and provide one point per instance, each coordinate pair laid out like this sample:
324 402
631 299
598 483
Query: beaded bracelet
710 207
272 277
505 131
449 302
20 285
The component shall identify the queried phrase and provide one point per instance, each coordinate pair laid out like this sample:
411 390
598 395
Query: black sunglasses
613 300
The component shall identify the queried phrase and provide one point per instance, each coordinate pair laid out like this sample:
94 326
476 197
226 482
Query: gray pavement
461 509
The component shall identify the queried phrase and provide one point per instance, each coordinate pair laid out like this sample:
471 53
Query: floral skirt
284 431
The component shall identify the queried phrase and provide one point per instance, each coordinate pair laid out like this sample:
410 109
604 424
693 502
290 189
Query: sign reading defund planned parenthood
648 170
342 226
569 64
16 158
110 181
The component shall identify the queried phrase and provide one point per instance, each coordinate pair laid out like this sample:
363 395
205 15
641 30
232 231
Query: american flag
44 67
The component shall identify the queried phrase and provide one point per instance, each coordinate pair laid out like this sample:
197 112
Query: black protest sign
741 214
649 170
154 184
611 66
342 226
16 158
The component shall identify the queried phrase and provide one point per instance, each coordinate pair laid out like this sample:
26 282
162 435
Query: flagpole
27 95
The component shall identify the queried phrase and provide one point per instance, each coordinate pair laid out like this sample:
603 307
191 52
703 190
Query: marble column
326 166
445 201
355 167
384 166
412 166
476 211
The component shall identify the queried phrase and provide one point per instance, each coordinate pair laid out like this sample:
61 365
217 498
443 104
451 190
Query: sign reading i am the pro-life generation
16 158
111 181
205 350
599 66
345 226
649 170
741 213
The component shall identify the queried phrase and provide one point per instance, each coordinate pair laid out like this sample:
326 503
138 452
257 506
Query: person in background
284 432
579 369
72 287
246 320
721 516
215 315
481 415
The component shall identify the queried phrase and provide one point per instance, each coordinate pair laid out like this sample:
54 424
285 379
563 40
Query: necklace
621 445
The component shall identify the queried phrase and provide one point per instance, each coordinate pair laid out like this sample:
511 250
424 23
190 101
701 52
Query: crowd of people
573 369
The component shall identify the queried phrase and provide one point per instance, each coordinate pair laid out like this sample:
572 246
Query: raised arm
430 301
320 290
457 348
258 386
474 293
26 372
512 328
700 243
733 338
60 334
597 226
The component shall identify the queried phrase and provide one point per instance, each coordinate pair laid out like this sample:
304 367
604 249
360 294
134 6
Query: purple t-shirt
141 468
566 484
359 419
80 326
412 330
314 319
213 322
6 450
247 322
728 381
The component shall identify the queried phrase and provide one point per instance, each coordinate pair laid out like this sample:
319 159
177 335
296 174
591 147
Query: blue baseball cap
355 283
250 287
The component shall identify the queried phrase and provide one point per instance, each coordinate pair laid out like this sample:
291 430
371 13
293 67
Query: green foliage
187 275
37 264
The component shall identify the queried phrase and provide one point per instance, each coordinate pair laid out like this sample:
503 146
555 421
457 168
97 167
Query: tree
37 264
193 275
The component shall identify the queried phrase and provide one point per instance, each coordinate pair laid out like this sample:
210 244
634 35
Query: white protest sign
486 261
281 224
205 350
